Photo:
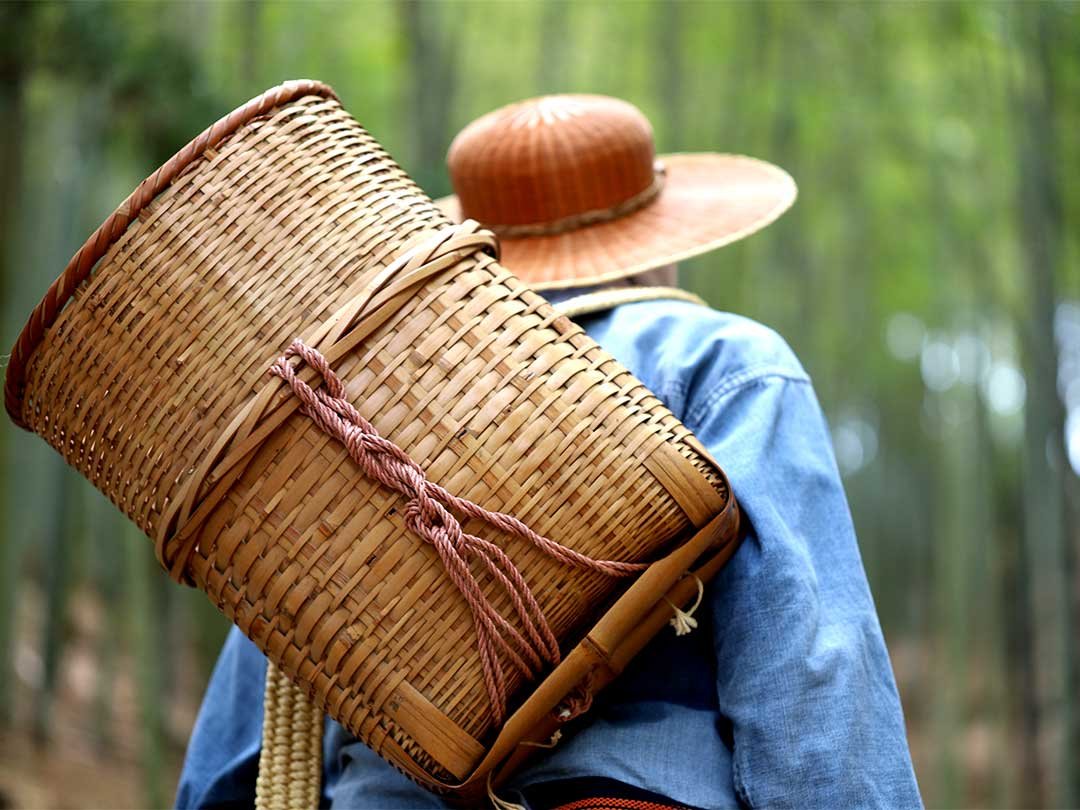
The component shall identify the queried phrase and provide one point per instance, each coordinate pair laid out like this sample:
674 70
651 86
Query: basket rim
82 264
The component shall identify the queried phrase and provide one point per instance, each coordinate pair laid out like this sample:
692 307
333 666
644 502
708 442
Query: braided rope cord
225 456
428 515
290 762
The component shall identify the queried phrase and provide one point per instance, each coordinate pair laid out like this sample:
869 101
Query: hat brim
708 201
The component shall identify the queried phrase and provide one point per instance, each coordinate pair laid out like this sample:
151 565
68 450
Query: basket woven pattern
262 238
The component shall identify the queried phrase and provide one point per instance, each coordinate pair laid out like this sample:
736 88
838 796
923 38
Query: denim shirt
783 697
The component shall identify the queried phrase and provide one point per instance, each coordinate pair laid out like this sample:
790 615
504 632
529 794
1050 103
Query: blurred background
927 277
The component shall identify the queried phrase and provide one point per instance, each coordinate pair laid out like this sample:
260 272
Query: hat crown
550 159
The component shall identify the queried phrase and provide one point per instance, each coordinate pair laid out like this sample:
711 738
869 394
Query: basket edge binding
82 264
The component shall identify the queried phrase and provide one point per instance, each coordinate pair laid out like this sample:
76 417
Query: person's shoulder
686 352
699 338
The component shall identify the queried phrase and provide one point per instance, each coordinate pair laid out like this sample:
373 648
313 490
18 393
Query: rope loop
683 620
594 217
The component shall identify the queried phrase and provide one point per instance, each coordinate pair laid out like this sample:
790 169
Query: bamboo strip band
594 217
602 300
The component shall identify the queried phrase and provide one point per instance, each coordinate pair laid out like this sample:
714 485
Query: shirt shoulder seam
745 378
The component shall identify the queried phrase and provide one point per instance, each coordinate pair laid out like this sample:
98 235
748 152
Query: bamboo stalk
143 576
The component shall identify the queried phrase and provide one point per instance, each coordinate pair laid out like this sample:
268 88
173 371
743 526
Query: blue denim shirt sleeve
802 670
222 760
802 673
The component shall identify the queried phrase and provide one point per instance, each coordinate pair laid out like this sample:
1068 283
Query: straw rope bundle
442 473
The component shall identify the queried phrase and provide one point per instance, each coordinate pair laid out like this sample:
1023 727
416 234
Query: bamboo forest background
927 277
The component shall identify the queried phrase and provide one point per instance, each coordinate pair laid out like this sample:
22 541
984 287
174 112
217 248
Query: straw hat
573 187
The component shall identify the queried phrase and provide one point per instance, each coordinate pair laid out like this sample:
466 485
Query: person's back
783 695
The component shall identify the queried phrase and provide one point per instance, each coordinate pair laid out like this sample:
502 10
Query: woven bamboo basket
146 366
